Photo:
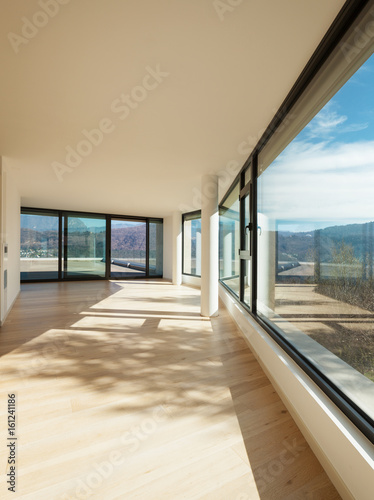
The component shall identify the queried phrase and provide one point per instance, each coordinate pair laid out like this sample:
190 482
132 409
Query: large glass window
303 213
156 236
316 241
58 245
229 240
128 248
246 247
39 245
84 246
192 243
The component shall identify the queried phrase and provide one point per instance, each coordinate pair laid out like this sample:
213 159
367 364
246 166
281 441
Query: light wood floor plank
125 392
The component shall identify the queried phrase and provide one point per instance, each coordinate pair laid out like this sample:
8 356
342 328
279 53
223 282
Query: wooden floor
124 392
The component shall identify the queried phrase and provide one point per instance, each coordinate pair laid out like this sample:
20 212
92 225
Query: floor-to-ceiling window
156 238
39 245
128 248
246 239
84 246
192 243
316 212
310 228
229 240
58 245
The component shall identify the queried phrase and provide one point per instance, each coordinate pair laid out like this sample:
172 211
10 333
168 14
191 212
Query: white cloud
325 181
325 123
328 122
355 127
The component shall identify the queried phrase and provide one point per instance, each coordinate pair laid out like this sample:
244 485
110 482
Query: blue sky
349 116
325 176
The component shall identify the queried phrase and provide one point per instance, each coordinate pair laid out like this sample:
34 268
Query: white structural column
266 269
177 248
209 245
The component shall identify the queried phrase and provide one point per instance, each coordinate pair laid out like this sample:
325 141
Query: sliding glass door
192 243
246 245
39 245
156 245
84 246
61 245
229 241
236 224
128 248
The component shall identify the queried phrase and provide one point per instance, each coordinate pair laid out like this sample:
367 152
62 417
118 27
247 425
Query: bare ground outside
344 328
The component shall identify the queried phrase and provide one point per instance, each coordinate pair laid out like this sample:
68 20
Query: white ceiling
228 72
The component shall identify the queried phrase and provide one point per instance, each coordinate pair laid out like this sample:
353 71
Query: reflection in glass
247 247
128 248
156 235
39 246
229 241
316 241
192 244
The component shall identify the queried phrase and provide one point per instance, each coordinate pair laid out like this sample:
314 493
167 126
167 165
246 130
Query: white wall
344 452
168 248
10 236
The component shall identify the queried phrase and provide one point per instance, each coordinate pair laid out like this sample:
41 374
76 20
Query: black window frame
238 181
343 22
134 219
108 218
184 217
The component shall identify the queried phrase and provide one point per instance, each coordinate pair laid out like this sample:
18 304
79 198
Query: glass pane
85 247
316 241
247 282
247 175
39 246
128 248
247 232
247 243
229 241
156 248
192 245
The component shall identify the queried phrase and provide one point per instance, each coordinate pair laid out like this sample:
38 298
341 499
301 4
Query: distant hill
301 246
128 238
295 246
44 241
39 243
292 247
